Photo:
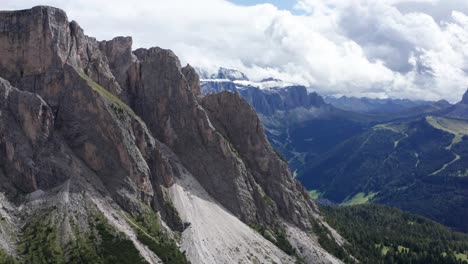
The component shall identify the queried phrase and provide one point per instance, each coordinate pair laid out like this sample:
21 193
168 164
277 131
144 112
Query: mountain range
375 106
111 155
346 150
418 165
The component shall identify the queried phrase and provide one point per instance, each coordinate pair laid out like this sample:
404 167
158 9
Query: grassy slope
121 106
314 194
458 128
360 198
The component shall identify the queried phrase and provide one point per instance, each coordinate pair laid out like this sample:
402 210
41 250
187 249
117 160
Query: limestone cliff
97 140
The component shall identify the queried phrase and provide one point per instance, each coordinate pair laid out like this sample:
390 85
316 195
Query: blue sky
281 4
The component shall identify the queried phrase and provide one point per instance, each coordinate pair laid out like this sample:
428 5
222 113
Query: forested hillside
418 166
381 234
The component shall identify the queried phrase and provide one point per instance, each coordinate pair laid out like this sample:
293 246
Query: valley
410 155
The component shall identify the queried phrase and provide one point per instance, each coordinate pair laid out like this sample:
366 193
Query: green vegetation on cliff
279 238
7 259
42 243
326 240
359 198
117 104
150 233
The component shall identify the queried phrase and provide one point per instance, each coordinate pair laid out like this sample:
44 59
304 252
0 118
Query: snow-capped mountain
234 80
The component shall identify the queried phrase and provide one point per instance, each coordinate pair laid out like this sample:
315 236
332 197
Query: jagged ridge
99 127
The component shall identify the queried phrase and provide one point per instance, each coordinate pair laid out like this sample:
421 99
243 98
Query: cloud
427 58
388 48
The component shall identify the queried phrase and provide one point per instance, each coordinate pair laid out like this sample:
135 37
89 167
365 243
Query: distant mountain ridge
392 151
222 74
302 124
379 106
459 110
235 81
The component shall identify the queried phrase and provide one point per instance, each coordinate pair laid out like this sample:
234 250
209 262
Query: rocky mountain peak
230 74
465 98
193 79
270 79
269 102
230 112
104 132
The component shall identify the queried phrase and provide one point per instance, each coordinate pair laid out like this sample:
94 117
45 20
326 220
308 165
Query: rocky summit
109 154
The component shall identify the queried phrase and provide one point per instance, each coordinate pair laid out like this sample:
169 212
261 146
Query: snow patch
263 85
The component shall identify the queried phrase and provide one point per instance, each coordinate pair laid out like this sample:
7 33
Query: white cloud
379 48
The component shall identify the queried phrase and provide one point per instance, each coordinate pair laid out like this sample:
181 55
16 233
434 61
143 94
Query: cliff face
96 131
26 125
237 121
289 98
270 100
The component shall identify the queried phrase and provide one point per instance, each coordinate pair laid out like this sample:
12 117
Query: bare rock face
237 121
26 34
122 63
167 104
38 42
117 133
280 100
192 79
67 70
101 130
26 123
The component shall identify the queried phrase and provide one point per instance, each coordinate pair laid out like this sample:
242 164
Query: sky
416 49
281 4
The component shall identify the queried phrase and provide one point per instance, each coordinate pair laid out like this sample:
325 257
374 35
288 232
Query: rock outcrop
460 109
268 96
25 127
217 86
97 134
192 79
237 121
282 99
229 74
